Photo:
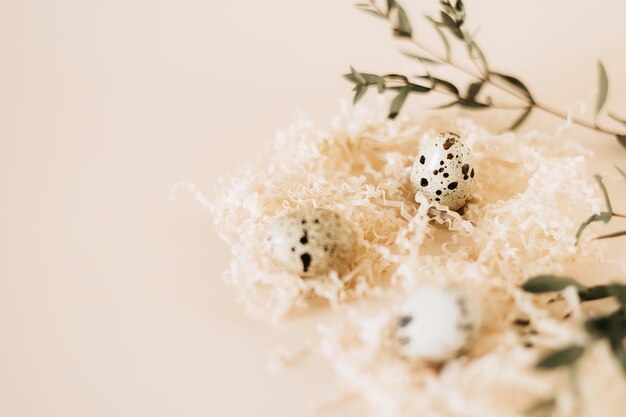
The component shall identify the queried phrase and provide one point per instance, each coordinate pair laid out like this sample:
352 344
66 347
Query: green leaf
350 78
370 78
357 76
446 6
612 235
471 104
398 102
380 84
459 7
617 347
391 4
563 357
620 171
605 193
600 217
521 119
603 87
516 83
596 292
621 139
473 90
422 59
404 26
611 326
618 291
550 283
447 20
451 24
360 92
439 81
443 37
416 88
599 292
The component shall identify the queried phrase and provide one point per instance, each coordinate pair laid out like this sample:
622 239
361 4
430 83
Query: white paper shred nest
521 221
532 195
496 378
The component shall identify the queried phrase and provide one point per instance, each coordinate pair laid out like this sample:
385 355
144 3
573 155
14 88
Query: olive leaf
516 83
618 291
416 88
358 77
617 347
446 6
605 216
550 283
360 92
621 139
438 81
471 104
380 83
596 292
521 119
474 89
363 78
459 7
398 102
371 79
404 26
611 325
600 217
562 357
448 22
420 58
605 193
603 87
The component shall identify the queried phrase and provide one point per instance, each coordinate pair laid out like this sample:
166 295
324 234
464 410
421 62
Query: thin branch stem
500 106
497 84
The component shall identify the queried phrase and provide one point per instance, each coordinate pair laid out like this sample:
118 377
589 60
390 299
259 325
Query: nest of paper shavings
495 378
521 220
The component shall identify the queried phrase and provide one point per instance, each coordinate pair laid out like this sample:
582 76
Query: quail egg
444 171
312 242
437 323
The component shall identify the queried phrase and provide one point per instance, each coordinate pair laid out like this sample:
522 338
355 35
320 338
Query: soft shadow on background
111 302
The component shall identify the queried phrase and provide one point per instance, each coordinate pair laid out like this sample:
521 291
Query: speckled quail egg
444 171
312 242
437 323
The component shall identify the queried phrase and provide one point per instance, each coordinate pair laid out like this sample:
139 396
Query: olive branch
450 25
605 216
610 328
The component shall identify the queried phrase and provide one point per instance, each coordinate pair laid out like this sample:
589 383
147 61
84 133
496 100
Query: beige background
111 302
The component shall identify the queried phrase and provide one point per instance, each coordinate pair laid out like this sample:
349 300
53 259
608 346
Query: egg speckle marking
437 323
312 242
444 154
